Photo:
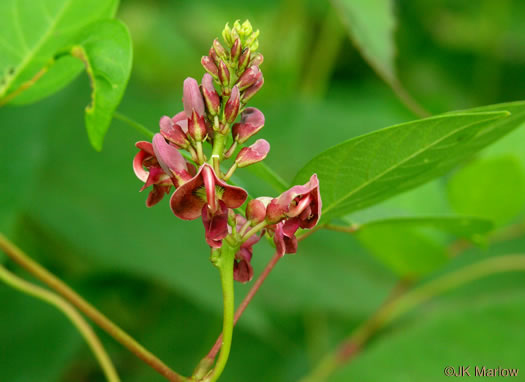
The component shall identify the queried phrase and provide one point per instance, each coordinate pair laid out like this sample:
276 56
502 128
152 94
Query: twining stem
402 304
225 265
247 299
17 255
69 311
137 126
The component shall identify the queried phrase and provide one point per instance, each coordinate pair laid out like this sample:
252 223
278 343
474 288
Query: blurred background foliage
79 213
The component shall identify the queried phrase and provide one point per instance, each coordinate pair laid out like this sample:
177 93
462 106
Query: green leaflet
365 170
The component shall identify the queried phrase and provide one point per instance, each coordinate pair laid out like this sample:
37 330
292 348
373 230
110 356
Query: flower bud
252 42
173 133
257 59
219 50
255 211
192 97
214 56
246 28
249 77
252 90
197 127
253 154
224 74
252 120
226 34
213 102
231 110
244 59
236 49
209 65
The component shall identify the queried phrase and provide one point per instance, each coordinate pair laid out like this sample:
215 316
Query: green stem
225 265
17 255
218 147
76 319
399 306
254 230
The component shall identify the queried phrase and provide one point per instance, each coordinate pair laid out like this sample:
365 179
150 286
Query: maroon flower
171 129
301 203
253 154
215 224
284 238
153 176
242 268
252 120
171 160
205 188
231 109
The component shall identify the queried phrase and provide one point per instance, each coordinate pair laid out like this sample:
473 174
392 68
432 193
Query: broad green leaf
61 73
416 246
365 170
34 33
371 24
105 47
480 332
490 188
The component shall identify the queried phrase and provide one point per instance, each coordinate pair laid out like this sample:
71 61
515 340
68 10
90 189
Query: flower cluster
201 188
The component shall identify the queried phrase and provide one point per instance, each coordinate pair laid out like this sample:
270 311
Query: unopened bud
253 154
219 49
254 45
209 65
255 211
232 106
192 97
244 59
214 56
224 74
173 133
252 120
252 40
257 59
249 77
226 34
252 90
246 28
236 49
213 102
197 127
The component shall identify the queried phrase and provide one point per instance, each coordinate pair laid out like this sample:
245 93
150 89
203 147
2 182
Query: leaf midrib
36 47
415 154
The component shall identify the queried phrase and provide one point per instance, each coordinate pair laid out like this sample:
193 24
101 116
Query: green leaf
481 332
371 24
365 170
34 34
490 188
416 246
105 47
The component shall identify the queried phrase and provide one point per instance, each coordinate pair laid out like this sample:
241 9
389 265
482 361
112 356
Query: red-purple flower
215 224
153 176
242 268
284 237
252 120
192 97
205 188
300 203
253 154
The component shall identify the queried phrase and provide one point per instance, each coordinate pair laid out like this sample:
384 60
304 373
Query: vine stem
225 264
407 301
17 255
69 311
